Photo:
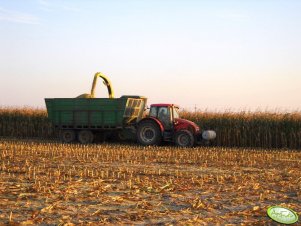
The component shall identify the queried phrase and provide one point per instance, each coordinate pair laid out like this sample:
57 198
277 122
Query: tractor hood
185 124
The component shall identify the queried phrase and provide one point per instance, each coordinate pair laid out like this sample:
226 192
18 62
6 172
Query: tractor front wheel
184 138
85 136
67 136
149 133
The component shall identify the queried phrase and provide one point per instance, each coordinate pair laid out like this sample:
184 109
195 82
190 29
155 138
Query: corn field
243 129
252 129
25 123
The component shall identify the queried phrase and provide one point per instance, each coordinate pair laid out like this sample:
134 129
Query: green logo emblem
282 215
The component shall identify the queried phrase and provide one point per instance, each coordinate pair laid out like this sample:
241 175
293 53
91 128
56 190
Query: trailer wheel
149 133
67 136
85 136
184 138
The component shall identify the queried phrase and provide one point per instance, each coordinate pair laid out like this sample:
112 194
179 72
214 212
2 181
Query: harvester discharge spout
107 83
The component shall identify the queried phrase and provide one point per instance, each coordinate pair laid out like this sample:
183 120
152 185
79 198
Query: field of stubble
44 182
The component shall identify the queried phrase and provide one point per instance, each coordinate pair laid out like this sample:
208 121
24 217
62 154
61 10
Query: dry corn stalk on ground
53 183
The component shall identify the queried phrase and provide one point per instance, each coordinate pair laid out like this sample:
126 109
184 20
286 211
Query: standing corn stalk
242 129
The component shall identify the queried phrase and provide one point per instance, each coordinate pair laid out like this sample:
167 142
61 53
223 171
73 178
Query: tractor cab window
153 112
176 112
164 117
163 113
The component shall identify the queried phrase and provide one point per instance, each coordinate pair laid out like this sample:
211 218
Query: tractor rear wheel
184 138
85 136
67 136
149 133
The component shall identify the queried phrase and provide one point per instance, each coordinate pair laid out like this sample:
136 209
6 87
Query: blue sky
216 55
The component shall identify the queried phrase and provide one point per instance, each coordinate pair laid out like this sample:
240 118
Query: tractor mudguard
152 119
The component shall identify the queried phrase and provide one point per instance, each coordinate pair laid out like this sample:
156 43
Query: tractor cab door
165 116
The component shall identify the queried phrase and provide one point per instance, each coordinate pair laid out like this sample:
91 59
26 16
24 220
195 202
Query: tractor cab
165 113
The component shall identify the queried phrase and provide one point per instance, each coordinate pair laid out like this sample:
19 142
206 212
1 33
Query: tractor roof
164 105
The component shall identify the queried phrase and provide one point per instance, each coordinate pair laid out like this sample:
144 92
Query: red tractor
164 124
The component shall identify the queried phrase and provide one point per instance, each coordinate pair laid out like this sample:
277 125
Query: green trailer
83 118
